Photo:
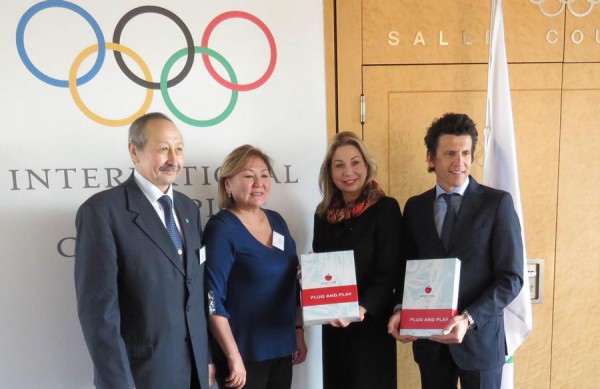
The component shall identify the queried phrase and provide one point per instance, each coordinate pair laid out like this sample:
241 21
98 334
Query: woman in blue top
251 283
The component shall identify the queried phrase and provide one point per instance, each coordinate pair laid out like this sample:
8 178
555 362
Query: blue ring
83 13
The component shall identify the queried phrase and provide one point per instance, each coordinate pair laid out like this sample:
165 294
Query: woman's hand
237 373
341 323
219 326
300 355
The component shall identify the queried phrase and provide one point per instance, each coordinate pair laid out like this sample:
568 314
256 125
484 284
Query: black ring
186 32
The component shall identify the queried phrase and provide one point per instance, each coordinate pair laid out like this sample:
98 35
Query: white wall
45 133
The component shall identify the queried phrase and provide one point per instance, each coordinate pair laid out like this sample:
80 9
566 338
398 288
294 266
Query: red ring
205 58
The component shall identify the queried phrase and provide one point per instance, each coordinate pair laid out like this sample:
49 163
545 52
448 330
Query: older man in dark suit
477 224
139 271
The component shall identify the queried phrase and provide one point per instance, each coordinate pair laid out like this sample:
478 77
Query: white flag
500 171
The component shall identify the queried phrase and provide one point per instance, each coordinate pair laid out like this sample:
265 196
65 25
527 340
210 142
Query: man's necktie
167 205
449 219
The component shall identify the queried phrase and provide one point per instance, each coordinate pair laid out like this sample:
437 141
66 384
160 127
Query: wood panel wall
555 80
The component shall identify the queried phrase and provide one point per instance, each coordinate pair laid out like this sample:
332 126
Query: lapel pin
187 220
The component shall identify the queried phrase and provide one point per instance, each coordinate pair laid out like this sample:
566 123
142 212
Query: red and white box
329 287
430 296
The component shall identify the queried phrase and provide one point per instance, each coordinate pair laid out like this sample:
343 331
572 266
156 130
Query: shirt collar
150 190
458 190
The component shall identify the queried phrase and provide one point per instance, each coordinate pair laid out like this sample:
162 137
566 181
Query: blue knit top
252 285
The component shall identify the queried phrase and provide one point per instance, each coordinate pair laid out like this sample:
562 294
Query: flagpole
488 108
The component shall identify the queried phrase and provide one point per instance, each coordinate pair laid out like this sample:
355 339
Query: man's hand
454 332
361 312
211 374
394 328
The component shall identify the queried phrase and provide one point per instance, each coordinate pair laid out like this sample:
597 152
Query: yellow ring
75 93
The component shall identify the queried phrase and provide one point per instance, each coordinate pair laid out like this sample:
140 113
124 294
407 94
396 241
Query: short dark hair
137 135
450 124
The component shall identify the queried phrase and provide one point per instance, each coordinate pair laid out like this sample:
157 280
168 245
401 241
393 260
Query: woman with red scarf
355 214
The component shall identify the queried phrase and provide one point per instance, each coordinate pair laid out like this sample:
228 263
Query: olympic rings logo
567 4
189 52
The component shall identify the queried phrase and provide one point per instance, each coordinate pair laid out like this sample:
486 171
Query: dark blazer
374 237
487 240
142 314
363 355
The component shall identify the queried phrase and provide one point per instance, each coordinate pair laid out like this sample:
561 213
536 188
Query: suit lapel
149 222
469 207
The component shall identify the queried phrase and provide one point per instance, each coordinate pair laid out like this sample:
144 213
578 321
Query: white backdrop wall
68 139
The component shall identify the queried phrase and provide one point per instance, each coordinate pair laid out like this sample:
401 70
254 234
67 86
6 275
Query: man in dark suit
139 271
485 234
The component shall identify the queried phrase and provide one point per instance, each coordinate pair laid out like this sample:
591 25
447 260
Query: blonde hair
233 164
326 184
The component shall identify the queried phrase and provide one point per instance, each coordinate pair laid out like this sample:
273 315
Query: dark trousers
442 373
360 356
270 374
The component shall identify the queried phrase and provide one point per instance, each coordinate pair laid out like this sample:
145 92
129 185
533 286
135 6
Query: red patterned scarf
338 211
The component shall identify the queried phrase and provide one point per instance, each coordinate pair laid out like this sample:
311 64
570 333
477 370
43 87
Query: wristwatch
469 319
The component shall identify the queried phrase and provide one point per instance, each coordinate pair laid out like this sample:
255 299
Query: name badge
278 241
202 256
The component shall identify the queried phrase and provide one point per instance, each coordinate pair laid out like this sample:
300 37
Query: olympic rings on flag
147 82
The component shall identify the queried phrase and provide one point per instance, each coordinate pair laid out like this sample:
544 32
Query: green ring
165 92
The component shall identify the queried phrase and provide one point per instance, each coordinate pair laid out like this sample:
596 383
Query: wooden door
414 61
575 340
402 101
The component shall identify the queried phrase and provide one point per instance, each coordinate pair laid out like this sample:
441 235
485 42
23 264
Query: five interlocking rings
72 82
567 4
